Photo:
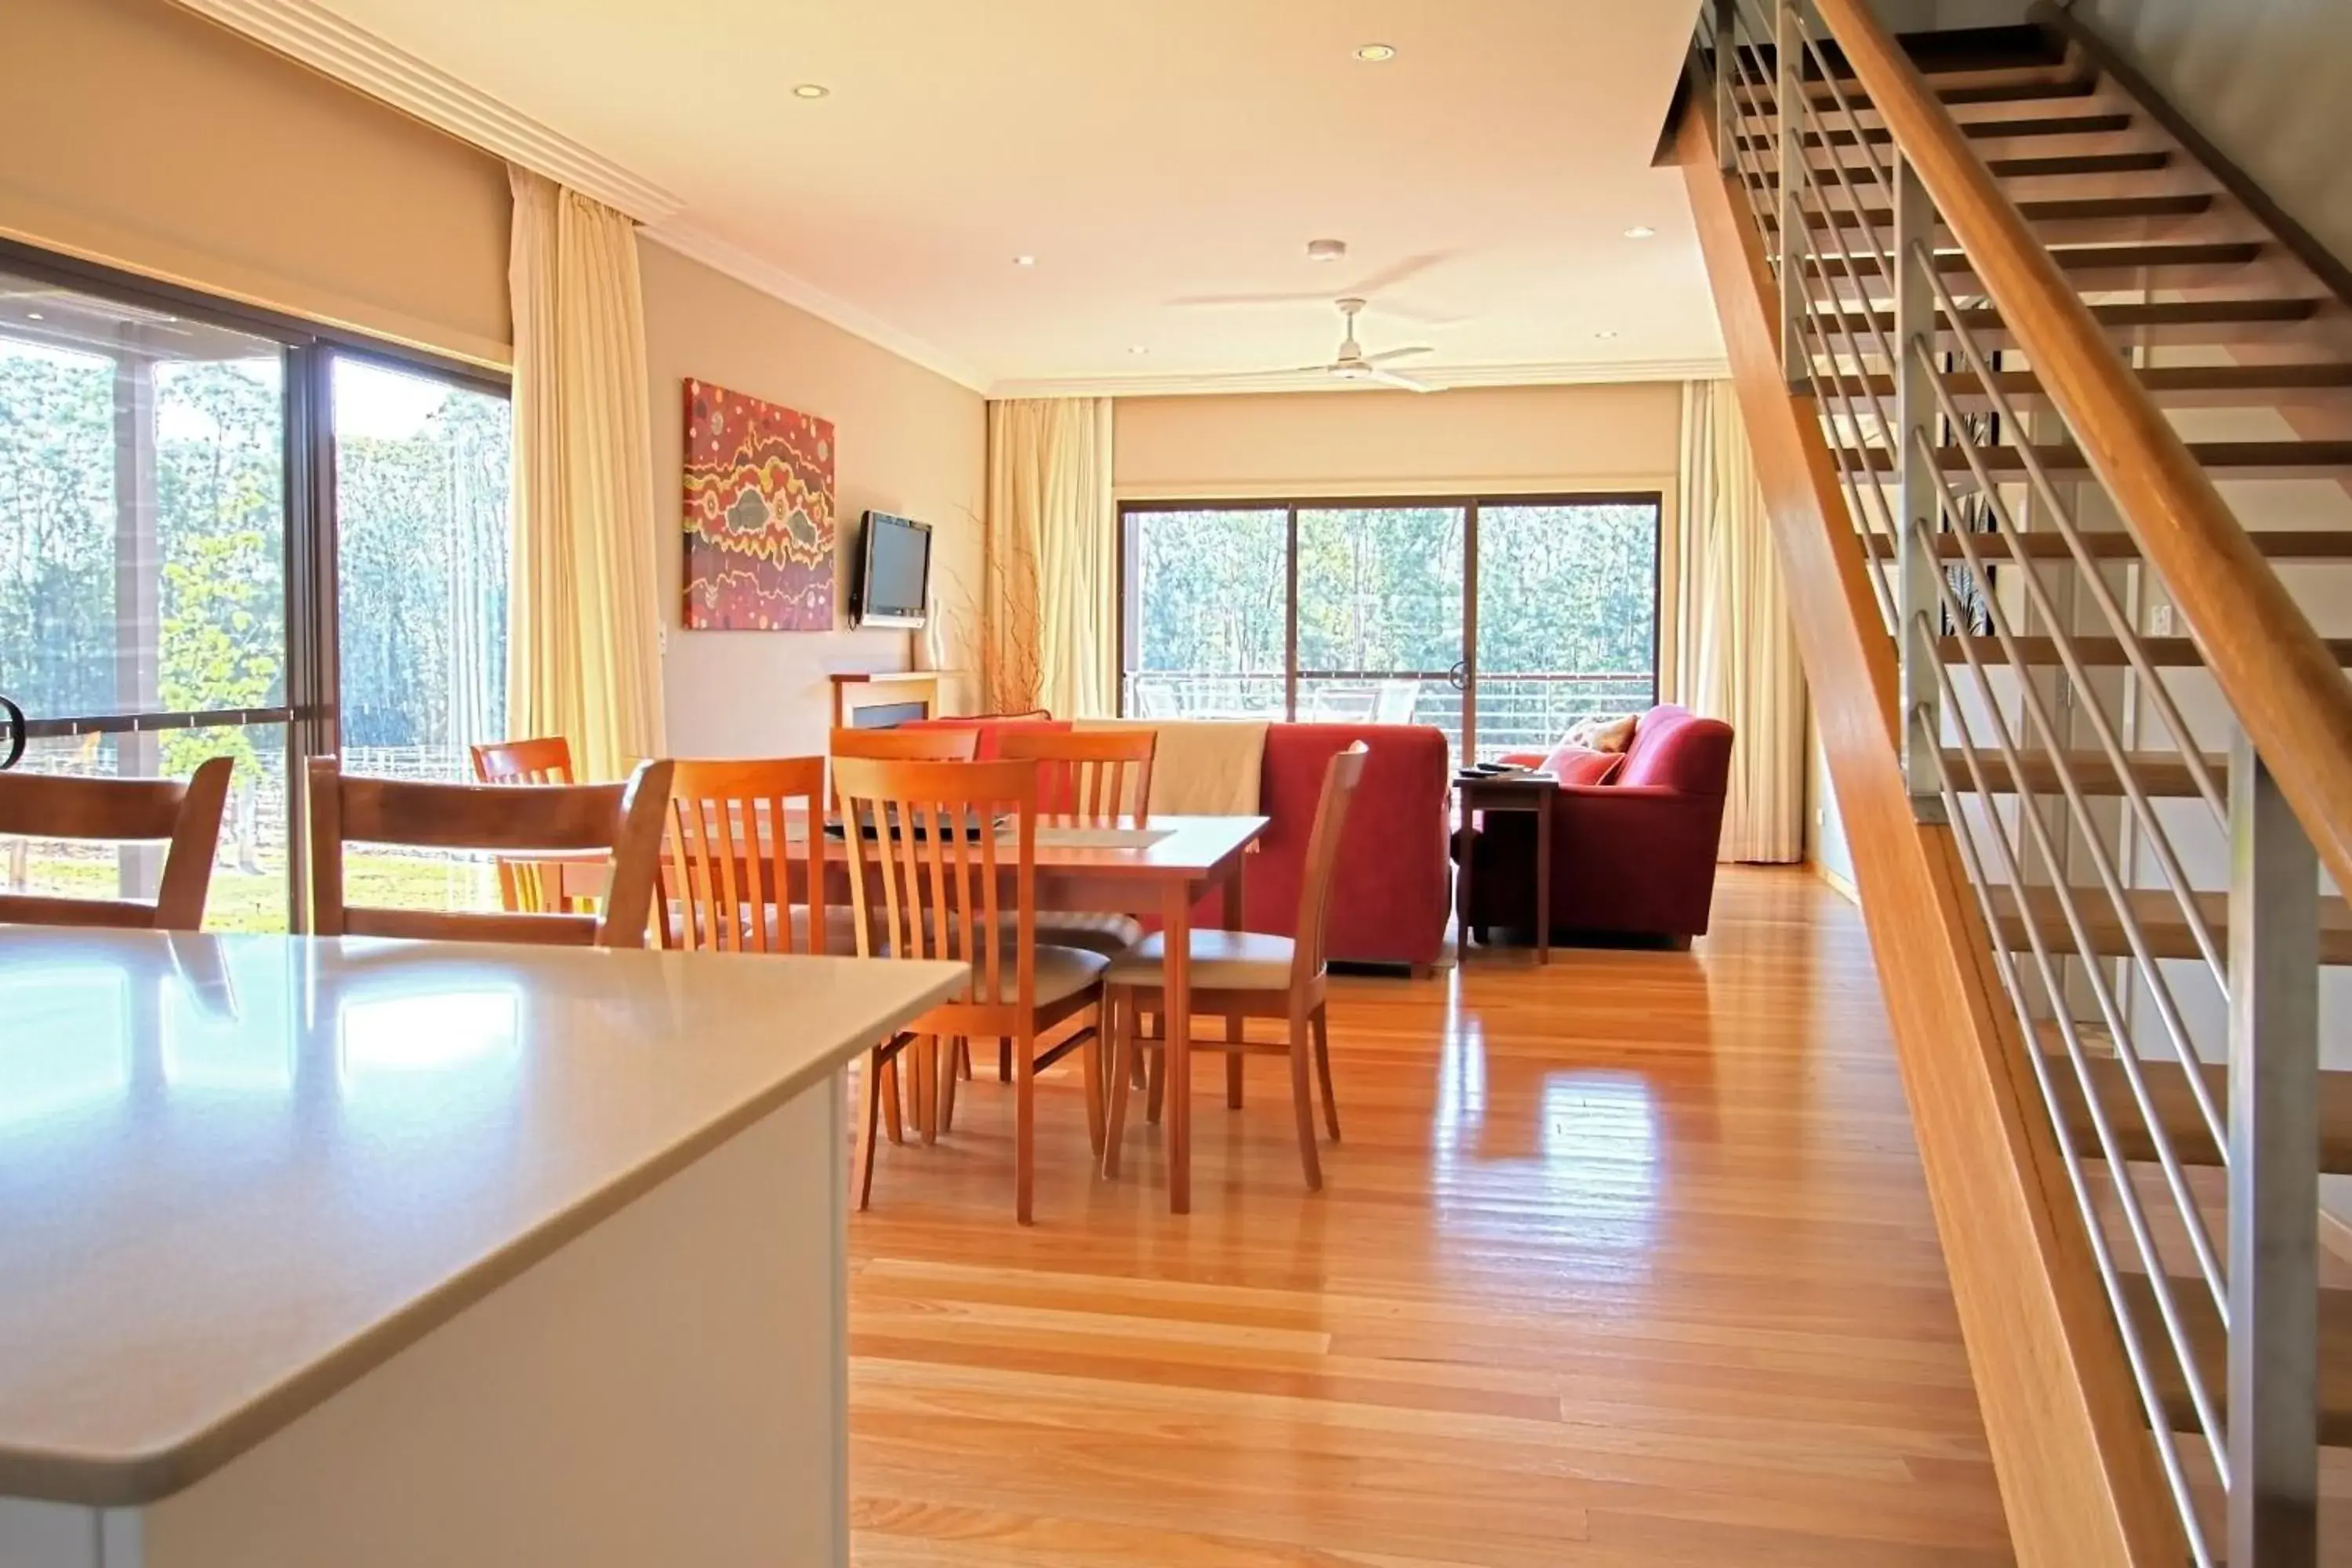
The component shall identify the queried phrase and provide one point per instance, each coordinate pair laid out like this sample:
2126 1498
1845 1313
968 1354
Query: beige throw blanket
1203 767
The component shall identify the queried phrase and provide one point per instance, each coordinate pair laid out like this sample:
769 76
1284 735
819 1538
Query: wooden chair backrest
622 819
729 861
942 886
1095 776
1340 780
546 760
185 813
907 745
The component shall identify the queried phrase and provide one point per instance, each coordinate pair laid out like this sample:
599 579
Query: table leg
1543 879
1462 886
1176 976
1232 913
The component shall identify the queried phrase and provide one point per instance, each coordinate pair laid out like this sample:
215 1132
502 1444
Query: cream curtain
1735 649
584 639
1050 611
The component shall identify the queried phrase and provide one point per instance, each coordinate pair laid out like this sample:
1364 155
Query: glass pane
143 509
1379 616
1568 619
248 887
1206 609
422 486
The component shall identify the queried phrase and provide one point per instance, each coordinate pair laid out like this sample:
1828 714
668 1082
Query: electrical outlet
2160 621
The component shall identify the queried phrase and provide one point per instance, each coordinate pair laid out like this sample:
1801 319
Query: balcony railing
1514 711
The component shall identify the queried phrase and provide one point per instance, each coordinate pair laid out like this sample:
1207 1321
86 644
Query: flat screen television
894 571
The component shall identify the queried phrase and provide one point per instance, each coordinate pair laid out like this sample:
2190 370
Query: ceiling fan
1353 364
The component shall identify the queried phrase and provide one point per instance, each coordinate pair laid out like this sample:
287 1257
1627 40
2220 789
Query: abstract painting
760 523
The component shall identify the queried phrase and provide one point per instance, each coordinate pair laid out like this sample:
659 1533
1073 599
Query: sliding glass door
224 532
1500 620
142 575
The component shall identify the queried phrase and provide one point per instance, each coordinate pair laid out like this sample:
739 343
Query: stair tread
2165 653
2095 124
2134 161
2209 1343
2163 774
2133 314
2159 917
2145 256
2276 460
2180 203
2182 385
2274 543
2177 1111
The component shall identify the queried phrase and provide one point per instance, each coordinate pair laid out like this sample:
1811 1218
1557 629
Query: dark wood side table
1532 793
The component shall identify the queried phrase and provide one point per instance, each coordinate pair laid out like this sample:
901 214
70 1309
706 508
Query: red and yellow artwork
758 515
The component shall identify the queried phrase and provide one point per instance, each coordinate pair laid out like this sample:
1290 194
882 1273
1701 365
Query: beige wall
1399 443
2265 79
907 441
134 133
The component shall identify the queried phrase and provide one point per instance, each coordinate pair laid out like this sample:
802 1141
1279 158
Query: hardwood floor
1624 1262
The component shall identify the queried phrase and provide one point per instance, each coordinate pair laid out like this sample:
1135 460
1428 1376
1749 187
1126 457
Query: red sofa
1394 894
1632 857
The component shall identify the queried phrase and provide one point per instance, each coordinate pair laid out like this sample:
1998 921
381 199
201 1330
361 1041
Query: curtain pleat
1737 648
584 654
1052 596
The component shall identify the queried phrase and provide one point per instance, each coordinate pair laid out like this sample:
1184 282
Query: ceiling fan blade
1398 271
1222 301
1397 353
1403 382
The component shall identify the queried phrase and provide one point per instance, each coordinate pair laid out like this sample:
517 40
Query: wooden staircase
2147 326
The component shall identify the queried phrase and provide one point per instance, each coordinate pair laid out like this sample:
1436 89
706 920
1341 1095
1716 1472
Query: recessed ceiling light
1606 332
811 90
1137 348
1326 249
34 316
1641 231
1377 52
1024 261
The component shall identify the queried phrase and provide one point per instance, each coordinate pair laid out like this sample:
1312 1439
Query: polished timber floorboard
1624 1262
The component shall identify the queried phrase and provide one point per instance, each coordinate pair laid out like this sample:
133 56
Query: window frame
312 711
1468 504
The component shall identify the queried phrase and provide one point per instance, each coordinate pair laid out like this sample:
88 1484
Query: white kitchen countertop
237 1172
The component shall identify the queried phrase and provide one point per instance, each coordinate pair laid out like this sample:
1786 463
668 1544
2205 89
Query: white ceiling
1147 154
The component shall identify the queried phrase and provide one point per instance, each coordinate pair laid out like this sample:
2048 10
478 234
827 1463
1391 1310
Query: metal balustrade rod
2093 579
2143 808
2273 1465
2135 1352
1859 511
1727 115
1852 119
1917 568
2160 989
2168 1159
1788 23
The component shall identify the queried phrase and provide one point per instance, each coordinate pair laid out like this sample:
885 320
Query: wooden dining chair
624 820
1247 974
730 879
905 745
186 814
544 759
929 872
1098 778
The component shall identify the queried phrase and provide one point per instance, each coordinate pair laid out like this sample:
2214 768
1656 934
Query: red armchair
1634 857
1390 902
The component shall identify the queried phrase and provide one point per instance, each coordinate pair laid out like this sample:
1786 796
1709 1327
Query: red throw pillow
1581 765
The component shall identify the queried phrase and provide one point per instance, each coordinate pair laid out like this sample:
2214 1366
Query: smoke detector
1326 249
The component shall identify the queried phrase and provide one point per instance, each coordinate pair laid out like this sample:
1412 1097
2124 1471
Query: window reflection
66 1046
446 1036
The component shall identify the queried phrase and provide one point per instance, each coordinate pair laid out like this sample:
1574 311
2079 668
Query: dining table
1161 868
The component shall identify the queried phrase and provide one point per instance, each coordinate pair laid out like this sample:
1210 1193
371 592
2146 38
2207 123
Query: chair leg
1118 1008
1233 1062
963 1058
891 1120
947 1084
1090 1064
1156 1080
1004 1061
1025 1124
926 1052
1322 1022
1302 1102
872 1095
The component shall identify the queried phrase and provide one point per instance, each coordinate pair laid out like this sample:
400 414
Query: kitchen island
372 1253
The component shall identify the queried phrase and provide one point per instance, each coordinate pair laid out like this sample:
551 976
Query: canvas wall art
760 523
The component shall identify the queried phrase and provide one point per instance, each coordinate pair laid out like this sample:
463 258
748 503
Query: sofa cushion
1583 765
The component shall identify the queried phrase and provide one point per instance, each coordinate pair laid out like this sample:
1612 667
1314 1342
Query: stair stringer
2078 1473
